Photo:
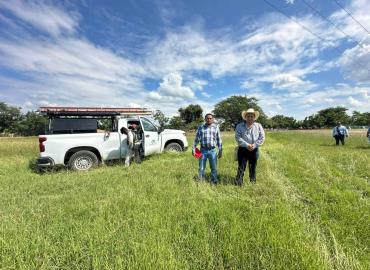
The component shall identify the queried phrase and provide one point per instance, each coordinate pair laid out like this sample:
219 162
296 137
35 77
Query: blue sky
168 54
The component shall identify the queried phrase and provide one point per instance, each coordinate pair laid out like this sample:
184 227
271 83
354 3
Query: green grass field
309 210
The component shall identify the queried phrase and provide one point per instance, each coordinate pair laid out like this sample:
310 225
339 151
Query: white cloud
155 96
289 81
276 46
205 94
68 69
69 56
359 9
307 103
135 105
249 84
48 18
355 63
353 102
196 84
172 87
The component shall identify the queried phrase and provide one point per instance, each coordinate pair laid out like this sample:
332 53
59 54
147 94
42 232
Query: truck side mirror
160 129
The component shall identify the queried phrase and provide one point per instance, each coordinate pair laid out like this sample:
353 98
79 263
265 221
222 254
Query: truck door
110 144
151 138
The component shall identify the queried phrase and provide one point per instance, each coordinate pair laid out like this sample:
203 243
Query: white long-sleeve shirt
254 135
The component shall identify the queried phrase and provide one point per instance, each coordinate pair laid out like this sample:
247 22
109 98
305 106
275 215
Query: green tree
32 124
327 117
191 113
161 118
9 117
281 121
334 114
314 121
360 119
230 110
176 122
194 125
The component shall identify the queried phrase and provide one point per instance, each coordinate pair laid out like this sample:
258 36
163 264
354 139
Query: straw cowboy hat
250 110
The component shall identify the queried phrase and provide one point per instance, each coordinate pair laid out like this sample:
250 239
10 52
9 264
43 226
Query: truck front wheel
83 161
173 147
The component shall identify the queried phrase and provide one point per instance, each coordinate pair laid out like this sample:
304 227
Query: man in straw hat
208 135
250 136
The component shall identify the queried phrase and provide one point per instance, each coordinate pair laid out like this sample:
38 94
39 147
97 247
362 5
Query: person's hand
219 154
250 147
193 151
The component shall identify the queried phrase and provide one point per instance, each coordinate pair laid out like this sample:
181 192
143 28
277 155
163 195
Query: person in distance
339 133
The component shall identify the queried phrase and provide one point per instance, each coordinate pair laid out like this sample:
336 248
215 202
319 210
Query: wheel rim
83 163
174 149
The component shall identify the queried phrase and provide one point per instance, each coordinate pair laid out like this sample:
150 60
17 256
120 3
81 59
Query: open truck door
151 137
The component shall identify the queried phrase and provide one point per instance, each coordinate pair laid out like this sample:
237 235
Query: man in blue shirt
249 136
368 133
209 137
339 133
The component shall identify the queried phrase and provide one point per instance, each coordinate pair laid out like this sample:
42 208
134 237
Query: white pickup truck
82 151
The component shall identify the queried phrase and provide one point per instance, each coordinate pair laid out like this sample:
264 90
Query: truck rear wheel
173 147
83 161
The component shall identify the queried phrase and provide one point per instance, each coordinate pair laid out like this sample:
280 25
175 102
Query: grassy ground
309 210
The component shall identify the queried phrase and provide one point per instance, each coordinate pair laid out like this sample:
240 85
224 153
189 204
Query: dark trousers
246 157
138 152
339 138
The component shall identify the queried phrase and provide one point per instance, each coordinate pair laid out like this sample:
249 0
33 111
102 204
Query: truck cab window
147 125
107 125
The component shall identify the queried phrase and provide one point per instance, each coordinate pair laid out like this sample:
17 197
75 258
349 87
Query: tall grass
309 210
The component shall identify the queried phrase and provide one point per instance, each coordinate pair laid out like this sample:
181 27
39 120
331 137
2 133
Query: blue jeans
211 155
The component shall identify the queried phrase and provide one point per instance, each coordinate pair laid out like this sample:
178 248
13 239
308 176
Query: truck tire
83 161
173 147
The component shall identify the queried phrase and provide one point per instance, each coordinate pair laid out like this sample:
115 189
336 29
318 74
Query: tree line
227 112
13 121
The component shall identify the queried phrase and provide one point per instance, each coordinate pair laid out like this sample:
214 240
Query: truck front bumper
44 162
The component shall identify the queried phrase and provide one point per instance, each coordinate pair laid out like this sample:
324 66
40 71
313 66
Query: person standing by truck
368 133
138 138
208 135
130 145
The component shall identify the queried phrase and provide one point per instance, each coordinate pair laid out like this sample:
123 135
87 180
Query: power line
322 16
353 18
290 18
307 29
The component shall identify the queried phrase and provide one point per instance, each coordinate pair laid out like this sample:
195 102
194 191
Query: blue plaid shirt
208 137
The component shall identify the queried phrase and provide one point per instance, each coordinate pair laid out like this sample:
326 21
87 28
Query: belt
208 148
